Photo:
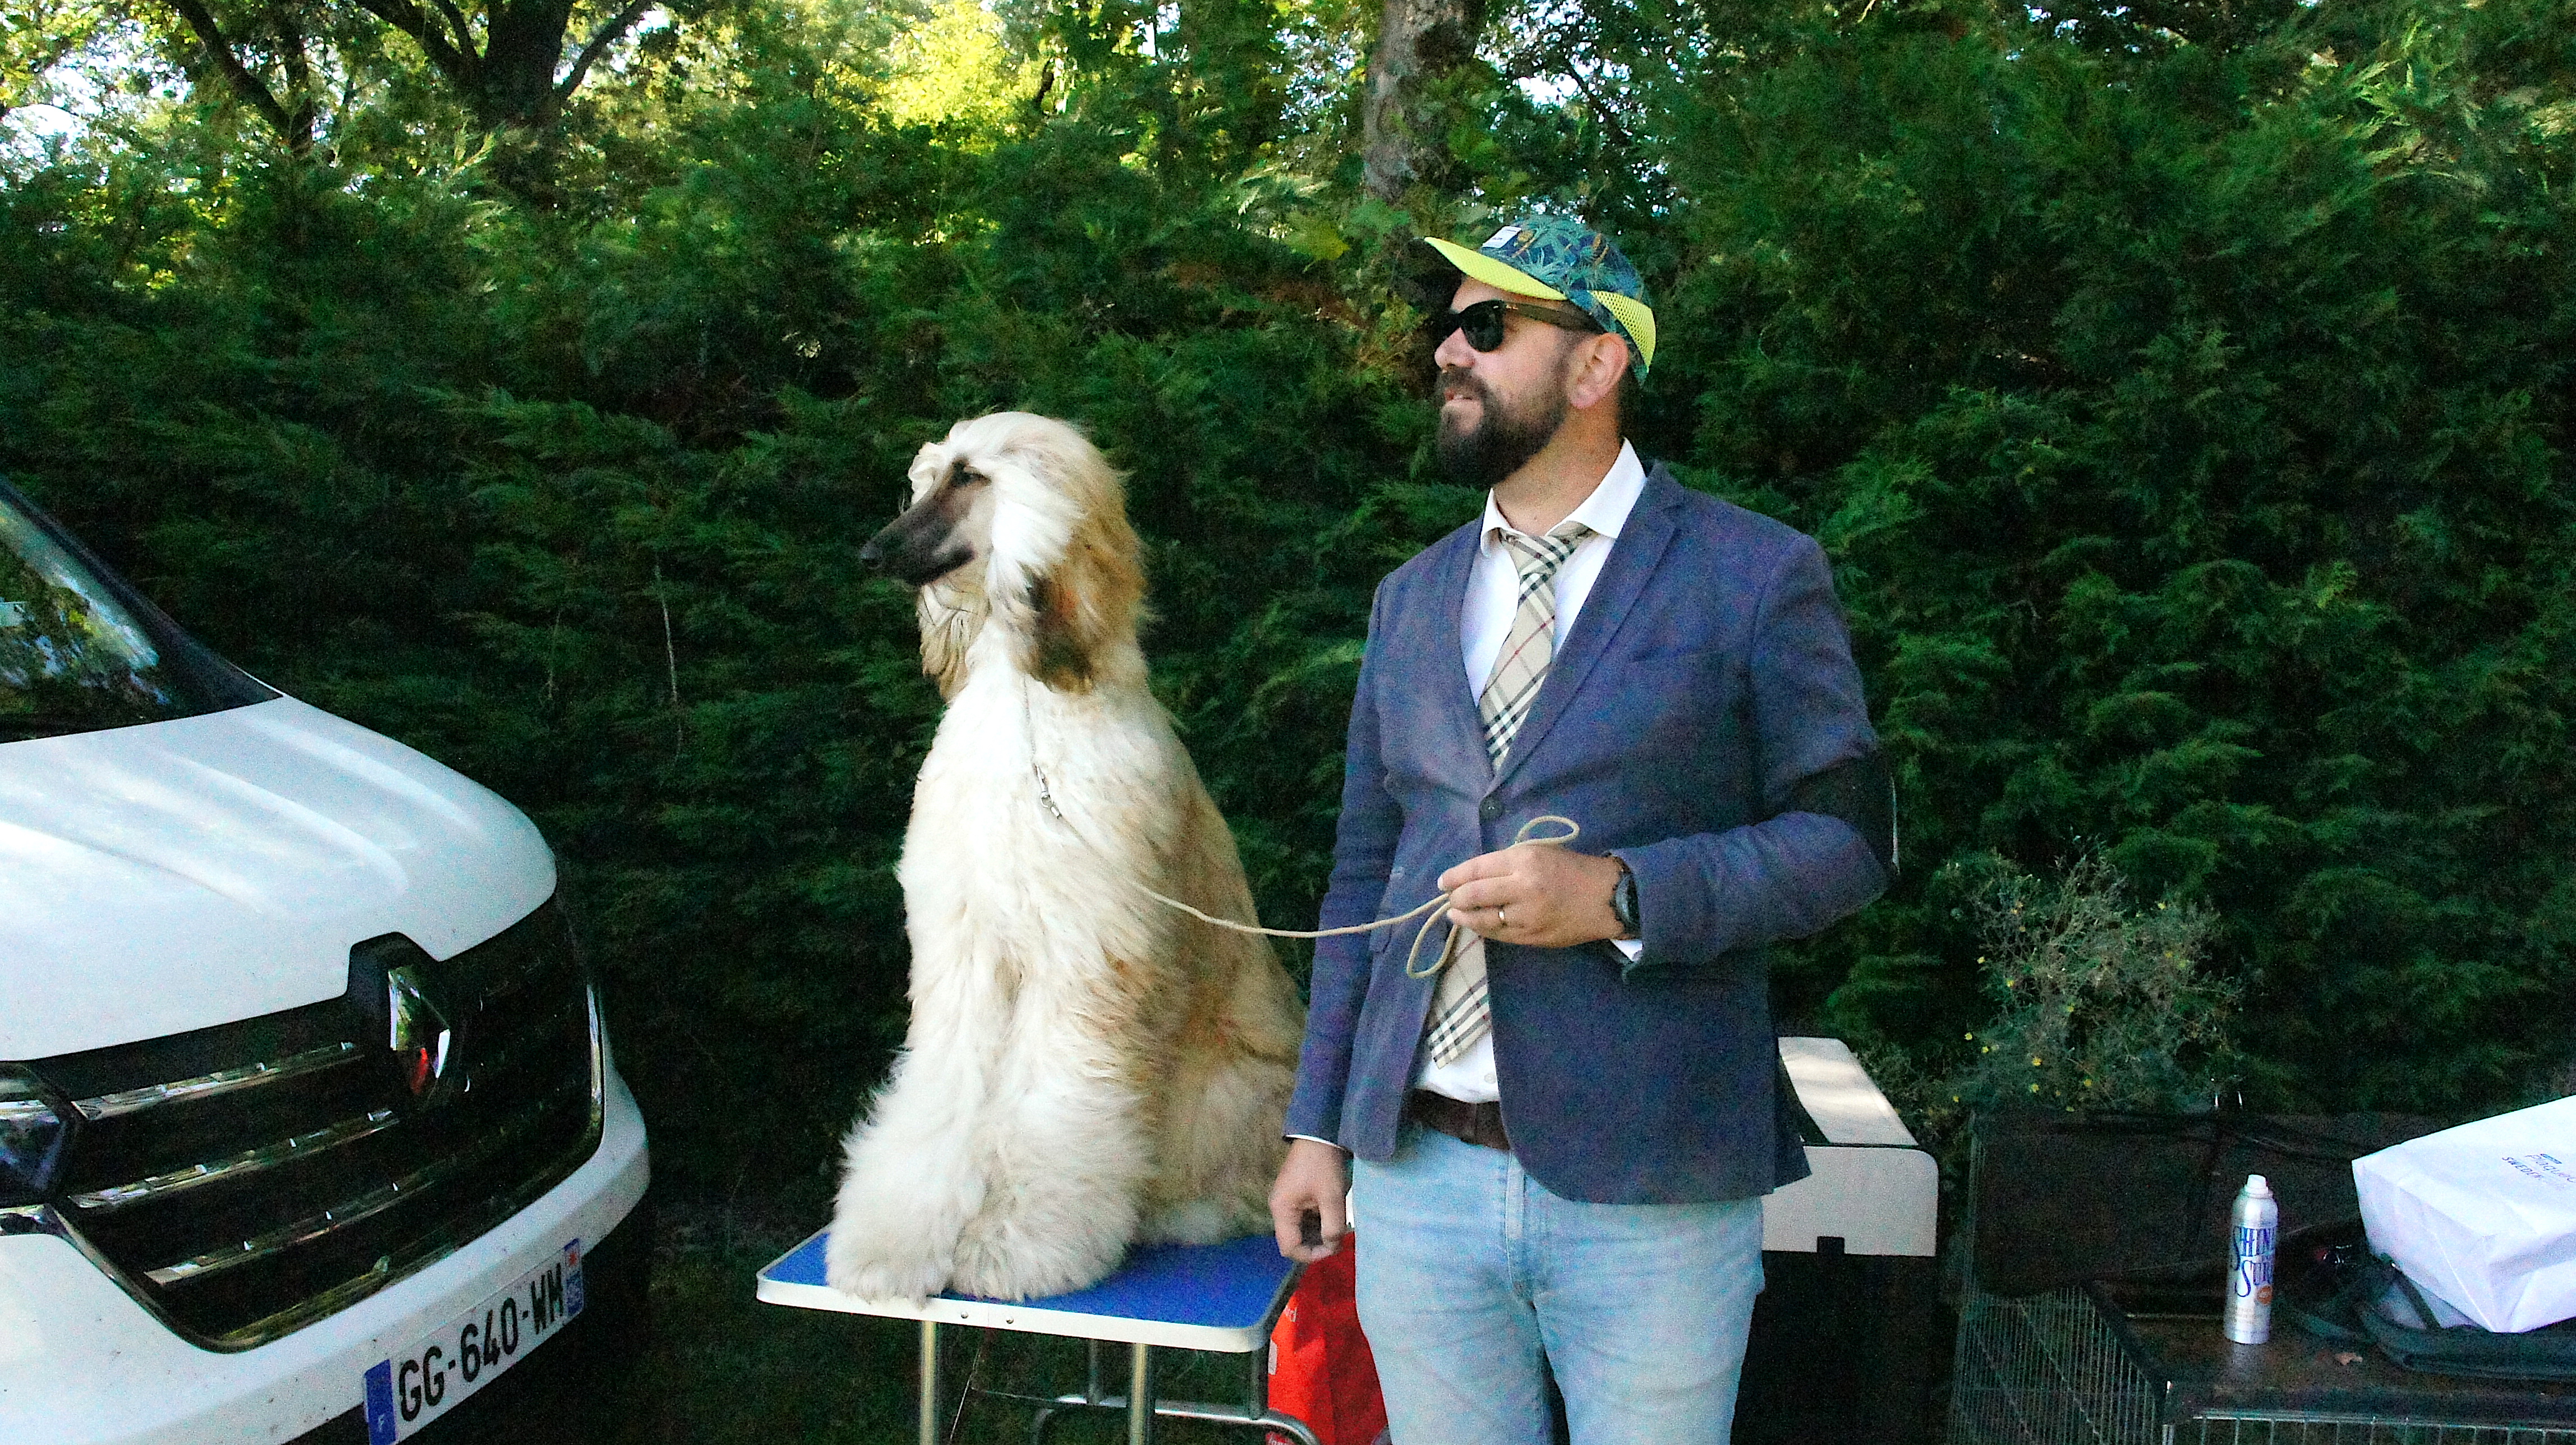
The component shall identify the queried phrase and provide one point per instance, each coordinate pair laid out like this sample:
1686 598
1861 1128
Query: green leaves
2102 1001
2187 423
2230 547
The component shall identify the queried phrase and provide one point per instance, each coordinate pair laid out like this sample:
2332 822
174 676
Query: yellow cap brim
1495 273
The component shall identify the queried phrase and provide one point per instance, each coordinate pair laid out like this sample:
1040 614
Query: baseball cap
1558 258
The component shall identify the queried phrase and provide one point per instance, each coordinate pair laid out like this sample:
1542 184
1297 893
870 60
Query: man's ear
1600 360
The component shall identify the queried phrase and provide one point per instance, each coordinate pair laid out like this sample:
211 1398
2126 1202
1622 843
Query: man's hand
1313 1186
1534 893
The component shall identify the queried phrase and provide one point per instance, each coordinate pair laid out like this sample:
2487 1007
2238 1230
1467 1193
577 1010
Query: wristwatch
1623 901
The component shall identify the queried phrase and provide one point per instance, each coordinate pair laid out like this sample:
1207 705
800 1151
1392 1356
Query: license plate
407 1391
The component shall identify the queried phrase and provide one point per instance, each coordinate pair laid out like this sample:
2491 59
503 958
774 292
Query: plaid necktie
1461 1013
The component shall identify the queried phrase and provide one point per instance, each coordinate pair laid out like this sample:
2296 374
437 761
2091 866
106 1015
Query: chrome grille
246 1179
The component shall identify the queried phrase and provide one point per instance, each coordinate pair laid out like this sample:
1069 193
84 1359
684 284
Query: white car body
161 878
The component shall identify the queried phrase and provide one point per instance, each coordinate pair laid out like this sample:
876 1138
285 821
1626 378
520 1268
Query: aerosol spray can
2256 1222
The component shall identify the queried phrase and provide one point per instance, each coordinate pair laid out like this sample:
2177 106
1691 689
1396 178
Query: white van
308 1128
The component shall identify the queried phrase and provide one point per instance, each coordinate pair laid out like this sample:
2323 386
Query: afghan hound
1085 1066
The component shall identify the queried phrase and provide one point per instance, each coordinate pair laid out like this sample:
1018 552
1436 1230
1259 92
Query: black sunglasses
1483 322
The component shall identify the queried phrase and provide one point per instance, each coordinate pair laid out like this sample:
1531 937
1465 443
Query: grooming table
1221 1298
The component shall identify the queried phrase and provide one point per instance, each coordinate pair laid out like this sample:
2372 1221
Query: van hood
176 875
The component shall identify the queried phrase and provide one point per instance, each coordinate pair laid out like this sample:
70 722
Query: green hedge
2187 424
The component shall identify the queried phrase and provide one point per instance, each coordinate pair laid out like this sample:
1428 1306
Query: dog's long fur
1085 1067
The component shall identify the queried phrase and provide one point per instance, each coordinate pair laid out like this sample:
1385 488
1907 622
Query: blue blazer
1708 671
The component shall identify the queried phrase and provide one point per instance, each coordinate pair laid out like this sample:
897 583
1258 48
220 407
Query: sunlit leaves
953 66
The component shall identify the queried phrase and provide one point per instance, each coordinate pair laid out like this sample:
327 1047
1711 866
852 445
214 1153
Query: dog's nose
873 554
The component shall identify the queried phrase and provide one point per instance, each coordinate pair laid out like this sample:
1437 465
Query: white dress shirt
1493 595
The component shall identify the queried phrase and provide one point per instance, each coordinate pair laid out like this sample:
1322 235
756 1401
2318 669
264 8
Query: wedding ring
1502 916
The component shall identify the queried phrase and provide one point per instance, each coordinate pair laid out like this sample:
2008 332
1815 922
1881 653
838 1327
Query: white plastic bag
2482 1216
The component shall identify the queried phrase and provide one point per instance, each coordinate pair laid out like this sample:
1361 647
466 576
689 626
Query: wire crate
2297 1429
2048 1369
2067 1368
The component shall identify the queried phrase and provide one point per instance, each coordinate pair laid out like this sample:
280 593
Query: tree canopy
2180 391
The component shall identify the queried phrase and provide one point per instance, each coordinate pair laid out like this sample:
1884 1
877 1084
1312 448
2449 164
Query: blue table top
1205 1296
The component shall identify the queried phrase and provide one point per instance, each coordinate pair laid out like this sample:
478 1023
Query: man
1563 1136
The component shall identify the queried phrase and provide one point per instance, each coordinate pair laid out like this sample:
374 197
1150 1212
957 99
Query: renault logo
421 1033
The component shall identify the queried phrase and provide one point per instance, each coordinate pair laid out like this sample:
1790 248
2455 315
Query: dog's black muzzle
916 549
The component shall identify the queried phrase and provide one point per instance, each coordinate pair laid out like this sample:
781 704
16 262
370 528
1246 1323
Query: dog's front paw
1023 1268
1043 1242
1199 1221
863 1265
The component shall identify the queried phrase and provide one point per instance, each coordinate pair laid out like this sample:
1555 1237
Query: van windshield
81 651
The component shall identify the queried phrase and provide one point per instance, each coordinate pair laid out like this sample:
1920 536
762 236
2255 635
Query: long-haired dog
1085 1066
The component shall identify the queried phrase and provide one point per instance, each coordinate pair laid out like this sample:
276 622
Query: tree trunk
1418 41
523 42
511 81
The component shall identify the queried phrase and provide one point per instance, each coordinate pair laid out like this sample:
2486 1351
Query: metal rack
2047 1369
2069 1367
2361 1430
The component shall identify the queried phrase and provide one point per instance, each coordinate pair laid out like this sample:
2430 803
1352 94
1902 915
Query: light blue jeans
1469 1269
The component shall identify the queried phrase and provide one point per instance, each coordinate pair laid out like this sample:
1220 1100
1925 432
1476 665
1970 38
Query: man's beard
1503 439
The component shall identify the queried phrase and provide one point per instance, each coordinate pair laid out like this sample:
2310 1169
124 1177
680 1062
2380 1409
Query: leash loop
1433 906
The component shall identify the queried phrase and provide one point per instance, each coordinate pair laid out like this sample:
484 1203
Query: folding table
1221 1298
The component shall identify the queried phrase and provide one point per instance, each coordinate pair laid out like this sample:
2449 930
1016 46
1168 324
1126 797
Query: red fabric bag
1320 1369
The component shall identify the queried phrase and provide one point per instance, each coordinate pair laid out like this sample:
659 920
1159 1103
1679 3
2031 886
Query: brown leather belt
1475 1123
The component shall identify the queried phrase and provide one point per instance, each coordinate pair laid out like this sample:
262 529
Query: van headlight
31 1139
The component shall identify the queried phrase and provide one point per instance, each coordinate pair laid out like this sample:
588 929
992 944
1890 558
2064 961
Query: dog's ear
1059 655
1088 602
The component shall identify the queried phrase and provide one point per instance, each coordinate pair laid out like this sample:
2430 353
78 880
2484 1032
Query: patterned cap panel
1569 257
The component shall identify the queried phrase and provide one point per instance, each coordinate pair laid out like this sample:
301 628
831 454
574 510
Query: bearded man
1561 1139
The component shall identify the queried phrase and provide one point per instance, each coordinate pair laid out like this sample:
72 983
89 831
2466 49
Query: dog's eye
962 475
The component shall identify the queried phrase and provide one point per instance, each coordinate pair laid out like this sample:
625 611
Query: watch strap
1623 901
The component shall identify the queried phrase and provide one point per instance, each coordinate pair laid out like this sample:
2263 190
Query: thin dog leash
1448 945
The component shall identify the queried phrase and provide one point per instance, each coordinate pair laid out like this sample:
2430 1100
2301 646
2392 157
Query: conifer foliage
2183 400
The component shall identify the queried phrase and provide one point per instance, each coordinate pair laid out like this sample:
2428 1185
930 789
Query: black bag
2057 1199
2338 1290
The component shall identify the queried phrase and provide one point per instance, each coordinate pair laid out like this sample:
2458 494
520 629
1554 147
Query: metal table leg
1140 1397
1146 1409
1091 1395
929 1434
1254 1412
